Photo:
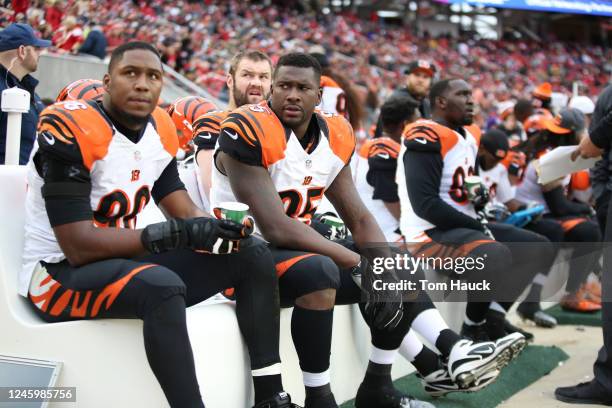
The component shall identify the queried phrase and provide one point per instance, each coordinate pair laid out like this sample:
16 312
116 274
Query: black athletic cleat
477 334
386 397
321 401
533 312
510 328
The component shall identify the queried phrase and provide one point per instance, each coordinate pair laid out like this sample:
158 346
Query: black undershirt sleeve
423 174
381 176
66 189
560 205
168 182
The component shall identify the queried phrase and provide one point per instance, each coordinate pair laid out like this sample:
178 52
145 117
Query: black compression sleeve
423 174
385 188
66 188
559 204
168 182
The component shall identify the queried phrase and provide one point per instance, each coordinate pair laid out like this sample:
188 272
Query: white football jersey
333 99
385 149
498 183
530 190
254 135
122 173
458 157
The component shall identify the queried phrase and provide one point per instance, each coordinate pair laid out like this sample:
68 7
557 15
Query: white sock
380 356
411 346
497 307
470 322
273 369
316 379
540 279
429 324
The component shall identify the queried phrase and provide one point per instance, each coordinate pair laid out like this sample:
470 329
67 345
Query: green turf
534 363
576 319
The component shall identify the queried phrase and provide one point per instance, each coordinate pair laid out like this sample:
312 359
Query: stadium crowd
198 39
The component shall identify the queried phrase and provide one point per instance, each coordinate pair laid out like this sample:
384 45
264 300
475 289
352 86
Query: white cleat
440 383
469 361
510 347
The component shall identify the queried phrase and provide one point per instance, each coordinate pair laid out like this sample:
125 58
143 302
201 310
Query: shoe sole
514 349
436 392
468 380
511 351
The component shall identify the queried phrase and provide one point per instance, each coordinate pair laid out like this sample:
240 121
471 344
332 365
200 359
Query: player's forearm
515 205
293 234
365 230
88 244
445 217
204 160
394 208
560 205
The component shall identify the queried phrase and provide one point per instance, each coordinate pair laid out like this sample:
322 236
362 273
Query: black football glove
200 234
383 310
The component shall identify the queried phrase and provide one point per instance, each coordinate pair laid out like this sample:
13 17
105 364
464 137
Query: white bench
105 359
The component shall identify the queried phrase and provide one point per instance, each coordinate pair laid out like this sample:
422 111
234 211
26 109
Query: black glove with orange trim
203 234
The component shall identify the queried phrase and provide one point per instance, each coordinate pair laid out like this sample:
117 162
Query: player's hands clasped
200 234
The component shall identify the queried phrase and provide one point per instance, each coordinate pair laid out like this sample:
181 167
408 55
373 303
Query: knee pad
155 285
324 273
311 274
586 231
496 254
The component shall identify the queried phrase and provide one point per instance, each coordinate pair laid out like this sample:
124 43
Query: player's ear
229 82
106 82
441 101
319 96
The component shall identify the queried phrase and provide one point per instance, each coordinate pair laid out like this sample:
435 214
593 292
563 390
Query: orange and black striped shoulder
206 129
76 123
428 136
339 133
166 130
209 123
256 127
381 147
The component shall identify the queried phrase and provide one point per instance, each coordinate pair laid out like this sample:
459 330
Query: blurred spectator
198 38
419 75
53 14
19 53
69 36
20 6
95 43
